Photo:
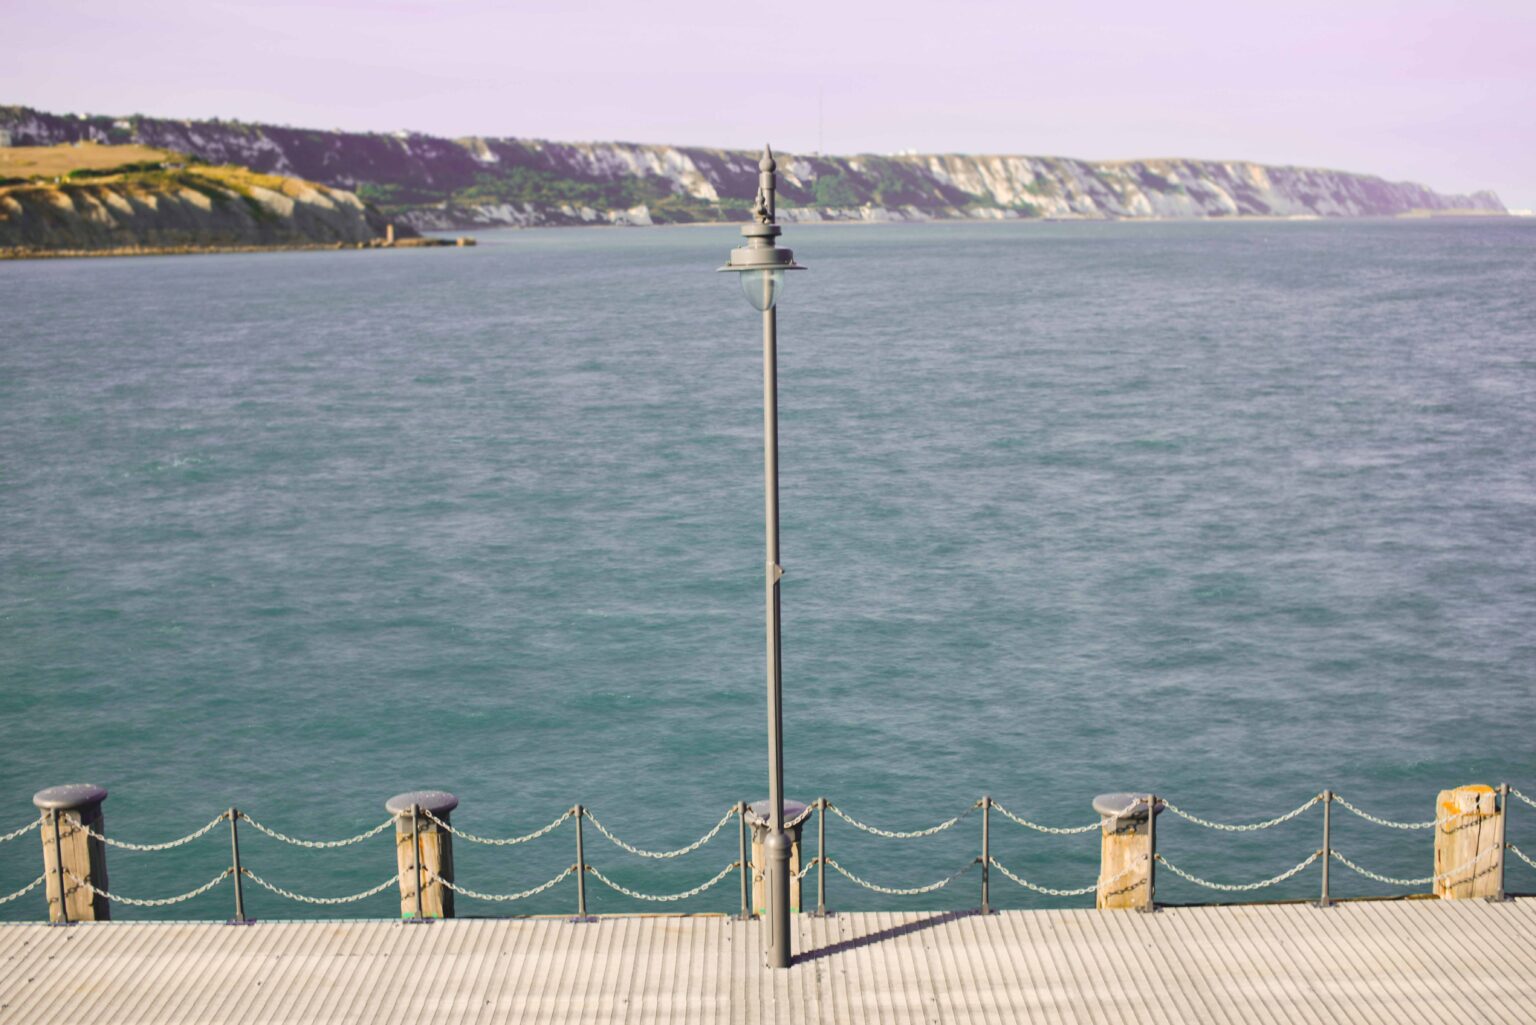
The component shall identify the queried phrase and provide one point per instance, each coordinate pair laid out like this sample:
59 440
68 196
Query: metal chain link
501 896
23 831
1240 887
1522 797
392 880
700 842
1245 828
161 902
285 838
1427 880
901 891
1518 853
1367 816
1078 892
1055 830
896 834
1389 880
805 813
125 845
806 869
663 897
36 882
498 841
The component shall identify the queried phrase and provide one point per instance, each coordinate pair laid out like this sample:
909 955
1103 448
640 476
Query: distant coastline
431 183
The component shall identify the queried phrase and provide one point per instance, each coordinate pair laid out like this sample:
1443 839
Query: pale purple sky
1437 92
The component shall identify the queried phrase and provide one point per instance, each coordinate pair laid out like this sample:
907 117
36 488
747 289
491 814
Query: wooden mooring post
757 818
1125 852
423 853
71 856
1469 843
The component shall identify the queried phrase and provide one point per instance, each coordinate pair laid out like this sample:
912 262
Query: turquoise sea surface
1228 511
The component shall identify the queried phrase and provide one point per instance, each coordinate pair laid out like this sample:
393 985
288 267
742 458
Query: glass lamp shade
762 287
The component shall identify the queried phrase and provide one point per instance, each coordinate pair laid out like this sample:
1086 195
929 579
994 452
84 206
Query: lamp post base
776 853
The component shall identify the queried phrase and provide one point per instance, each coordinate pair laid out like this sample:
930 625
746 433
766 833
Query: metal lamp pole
761 266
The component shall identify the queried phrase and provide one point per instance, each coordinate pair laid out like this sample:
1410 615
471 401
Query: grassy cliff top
58 161
92 163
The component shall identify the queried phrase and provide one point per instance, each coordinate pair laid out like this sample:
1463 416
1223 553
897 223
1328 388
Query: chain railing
34 884
665 898
508 841
897 834
678 853
900 891
505 897
166 846
1424 881
1388 823
302 899
159 902
1050 891
409 822
1053 830
1240 887
23 831
1247 827
316 844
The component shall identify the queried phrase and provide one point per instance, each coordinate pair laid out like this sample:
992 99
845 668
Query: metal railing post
1151 854
581 867
1325 900
234 858
746 866
821 857
986 854
416 854
58 865
1503 839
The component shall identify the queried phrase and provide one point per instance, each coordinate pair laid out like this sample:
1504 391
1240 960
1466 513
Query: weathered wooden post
1469 842
423 852
1125 851
71 856
1499 894
757 818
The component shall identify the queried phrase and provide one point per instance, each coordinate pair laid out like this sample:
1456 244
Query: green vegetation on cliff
107 198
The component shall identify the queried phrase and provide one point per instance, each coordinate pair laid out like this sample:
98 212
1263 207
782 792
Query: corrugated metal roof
1396 963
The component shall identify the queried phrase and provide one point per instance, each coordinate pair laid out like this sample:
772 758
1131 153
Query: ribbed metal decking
1398 963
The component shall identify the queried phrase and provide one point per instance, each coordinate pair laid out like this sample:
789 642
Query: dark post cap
438 802
758 812
69 796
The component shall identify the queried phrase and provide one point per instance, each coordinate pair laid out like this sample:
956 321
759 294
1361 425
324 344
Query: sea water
1229 511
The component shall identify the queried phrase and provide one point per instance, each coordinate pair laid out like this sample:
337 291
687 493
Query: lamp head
761 264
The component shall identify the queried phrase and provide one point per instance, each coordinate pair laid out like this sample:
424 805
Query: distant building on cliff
5 136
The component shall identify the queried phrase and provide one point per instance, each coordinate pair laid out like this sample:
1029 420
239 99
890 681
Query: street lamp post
760 266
